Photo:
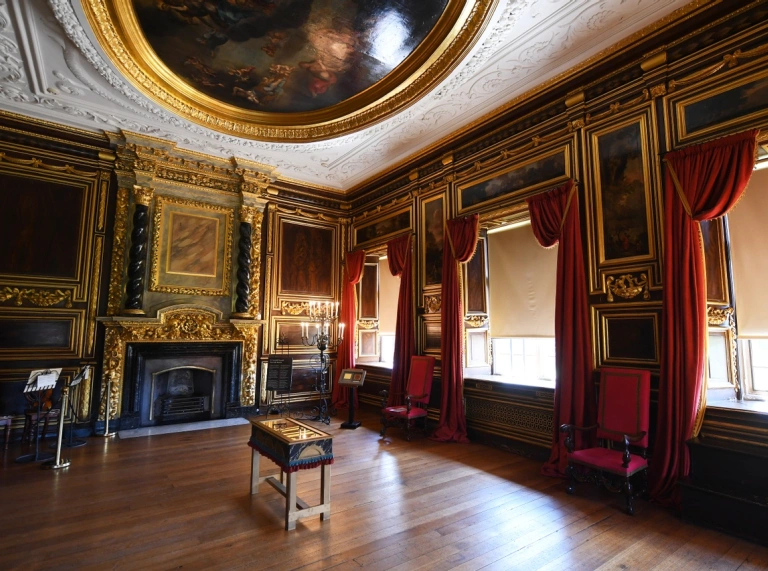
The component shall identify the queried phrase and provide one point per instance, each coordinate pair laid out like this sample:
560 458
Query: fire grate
182 406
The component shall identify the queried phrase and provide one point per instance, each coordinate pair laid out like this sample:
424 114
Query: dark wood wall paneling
55 191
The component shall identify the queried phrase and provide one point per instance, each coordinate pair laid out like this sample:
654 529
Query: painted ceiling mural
285 56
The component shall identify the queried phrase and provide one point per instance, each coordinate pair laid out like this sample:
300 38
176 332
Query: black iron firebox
167 383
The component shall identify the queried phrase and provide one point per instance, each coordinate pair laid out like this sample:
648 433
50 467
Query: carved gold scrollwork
38 163
294 307
627 286
730 60
367 324
720 316
143 195
432 303
476 321
192 324
39 297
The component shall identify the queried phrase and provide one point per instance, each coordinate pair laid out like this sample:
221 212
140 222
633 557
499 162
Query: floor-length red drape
555 218
353 271
700 183
399 259
461 235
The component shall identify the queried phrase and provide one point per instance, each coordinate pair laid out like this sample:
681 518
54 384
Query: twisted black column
137 260
243 288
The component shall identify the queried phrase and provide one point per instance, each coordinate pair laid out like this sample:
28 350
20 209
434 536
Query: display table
293 446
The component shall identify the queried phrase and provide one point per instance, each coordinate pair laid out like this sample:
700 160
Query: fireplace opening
183 394
167 383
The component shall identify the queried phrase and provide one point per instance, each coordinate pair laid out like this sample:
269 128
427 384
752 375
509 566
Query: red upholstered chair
416 399
622 419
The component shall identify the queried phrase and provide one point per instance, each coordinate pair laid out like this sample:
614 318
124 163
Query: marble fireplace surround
186 329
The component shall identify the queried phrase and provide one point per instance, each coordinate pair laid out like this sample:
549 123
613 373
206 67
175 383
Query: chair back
623 405
420 378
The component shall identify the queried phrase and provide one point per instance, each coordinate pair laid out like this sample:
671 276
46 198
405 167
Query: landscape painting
739 101
284 56
383 228
622 192
191 248
545 171
306 259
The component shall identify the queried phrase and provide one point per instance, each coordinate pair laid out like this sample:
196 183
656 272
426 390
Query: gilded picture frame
191 247
515 180
384 228
433 214
627 334
622 197
307 259
715 261
733 102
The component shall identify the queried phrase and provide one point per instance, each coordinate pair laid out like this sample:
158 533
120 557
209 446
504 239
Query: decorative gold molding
476 321
618 106
627 286
659 90
722 316
253 300
385 208
102 210
729 60
367 323
432 303
118 253
38 163
574 99
652 62
305 214
119 33
154 280
98 249
294 307
182 323
143 195
247 213
38 297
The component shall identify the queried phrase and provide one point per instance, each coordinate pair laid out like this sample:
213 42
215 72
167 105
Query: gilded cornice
119 33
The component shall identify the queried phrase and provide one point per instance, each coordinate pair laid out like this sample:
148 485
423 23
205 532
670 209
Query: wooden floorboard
182 500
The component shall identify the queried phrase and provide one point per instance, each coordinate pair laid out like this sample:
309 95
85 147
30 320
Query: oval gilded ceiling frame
117 29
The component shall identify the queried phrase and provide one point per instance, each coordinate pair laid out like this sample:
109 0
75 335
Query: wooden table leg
254 472
325 491
290 502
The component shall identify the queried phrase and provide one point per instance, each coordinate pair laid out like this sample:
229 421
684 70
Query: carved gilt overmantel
150 169
183 323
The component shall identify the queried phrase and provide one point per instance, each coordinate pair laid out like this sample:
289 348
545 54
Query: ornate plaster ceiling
52 67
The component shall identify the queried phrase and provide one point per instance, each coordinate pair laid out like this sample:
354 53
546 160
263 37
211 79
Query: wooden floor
182 501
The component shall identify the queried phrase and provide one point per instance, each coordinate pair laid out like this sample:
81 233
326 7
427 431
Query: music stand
351 378
39 381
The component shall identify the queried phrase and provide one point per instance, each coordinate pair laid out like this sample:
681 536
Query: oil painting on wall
622 192
383 228
284 56
543 171
191 248
306 259
733 103
713 241
432 232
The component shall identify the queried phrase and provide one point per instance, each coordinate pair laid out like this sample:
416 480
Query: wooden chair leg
628 492
571 488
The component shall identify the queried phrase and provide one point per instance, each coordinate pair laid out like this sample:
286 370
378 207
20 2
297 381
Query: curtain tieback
567 207
679 189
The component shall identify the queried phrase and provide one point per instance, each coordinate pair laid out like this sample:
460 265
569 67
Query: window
522 307
525 360
754 367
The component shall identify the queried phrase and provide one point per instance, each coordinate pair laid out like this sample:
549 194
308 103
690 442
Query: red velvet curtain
461 234
353 271
399 259
700 183
555 218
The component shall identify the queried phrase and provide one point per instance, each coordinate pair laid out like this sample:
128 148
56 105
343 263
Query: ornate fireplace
185 365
